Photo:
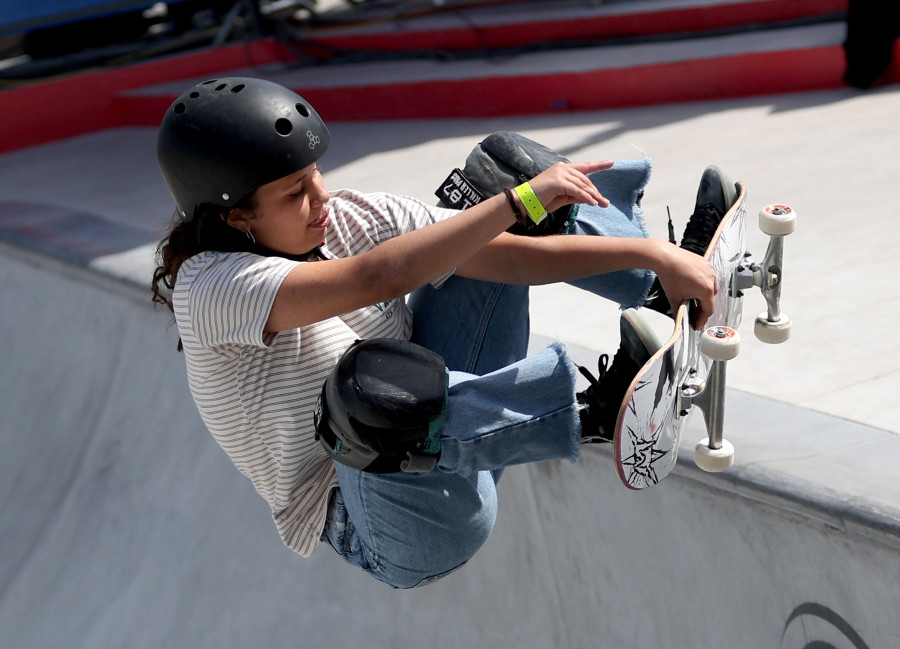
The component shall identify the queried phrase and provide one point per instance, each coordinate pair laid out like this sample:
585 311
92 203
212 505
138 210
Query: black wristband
520 218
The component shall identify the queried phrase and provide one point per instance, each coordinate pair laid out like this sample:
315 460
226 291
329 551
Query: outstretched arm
522 260
315 292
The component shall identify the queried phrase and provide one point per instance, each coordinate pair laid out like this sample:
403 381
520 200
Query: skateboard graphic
688 371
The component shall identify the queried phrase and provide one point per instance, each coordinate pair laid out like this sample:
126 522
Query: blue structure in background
18 16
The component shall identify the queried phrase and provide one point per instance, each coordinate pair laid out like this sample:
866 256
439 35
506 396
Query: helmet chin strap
312 255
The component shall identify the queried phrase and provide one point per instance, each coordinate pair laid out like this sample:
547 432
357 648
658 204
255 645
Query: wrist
532 204
518 209
662 255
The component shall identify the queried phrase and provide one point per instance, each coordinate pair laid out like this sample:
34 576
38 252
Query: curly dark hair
208 230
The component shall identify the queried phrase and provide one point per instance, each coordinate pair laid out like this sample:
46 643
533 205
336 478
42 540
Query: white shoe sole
645 331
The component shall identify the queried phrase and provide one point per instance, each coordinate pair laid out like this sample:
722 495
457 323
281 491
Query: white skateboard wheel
713 460
777 220
772 333
720 343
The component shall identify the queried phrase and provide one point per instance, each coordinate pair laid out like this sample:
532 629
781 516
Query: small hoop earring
250 236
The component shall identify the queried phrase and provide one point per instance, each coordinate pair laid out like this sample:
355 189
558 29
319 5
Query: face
289 215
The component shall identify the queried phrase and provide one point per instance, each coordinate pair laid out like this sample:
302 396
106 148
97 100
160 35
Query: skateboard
688 371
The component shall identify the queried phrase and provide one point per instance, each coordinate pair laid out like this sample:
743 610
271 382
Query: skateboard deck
652 416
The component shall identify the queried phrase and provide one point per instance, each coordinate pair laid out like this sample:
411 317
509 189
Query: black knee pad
503 160
383 407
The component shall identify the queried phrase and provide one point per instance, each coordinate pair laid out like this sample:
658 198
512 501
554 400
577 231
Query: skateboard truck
773 326
720 344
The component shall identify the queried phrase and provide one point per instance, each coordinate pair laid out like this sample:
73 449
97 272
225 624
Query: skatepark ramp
122 524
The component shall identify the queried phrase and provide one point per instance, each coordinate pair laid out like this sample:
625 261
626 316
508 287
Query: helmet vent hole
194 95
283 126
303 110
221 86
206 83
237 88
179 108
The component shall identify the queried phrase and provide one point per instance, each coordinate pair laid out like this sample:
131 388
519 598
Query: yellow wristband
536 211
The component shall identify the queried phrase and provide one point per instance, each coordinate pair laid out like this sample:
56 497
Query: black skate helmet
223 138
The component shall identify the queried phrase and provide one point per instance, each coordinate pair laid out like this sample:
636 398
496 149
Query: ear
238 218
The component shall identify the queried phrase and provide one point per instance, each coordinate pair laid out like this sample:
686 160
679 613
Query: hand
566 182
685 276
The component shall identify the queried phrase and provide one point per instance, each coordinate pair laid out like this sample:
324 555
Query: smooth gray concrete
124 525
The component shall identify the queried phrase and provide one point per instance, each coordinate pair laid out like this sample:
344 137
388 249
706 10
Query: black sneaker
715 195
603 397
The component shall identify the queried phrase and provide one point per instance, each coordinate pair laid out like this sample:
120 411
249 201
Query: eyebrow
306 175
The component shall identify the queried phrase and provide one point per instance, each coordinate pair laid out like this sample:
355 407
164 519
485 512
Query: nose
318 194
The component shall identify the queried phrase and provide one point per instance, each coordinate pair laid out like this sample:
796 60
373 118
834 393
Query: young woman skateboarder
388 449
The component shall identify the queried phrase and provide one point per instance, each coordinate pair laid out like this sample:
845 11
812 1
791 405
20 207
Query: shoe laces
597 425
602 367
701 227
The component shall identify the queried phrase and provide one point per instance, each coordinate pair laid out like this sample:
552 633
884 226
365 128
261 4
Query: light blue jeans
408 530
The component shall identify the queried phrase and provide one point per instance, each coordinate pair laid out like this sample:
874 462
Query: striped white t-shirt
256 392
